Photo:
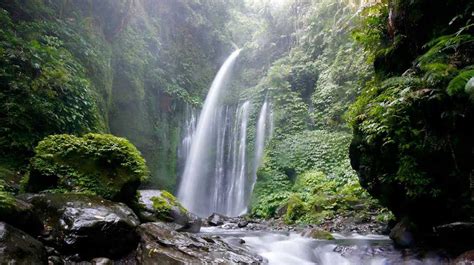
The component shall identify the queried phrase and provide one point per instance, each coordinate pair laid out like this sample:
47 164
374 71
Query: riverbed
290 248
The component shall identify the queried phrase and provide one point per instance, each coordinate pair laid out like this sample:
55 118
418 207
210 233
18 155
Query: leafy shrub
295 209
411 134
99 164
43 88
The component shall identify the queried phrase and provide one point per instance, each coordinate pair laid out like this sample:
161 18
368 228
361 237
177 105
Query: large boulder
216 219
466 258
17 247
159 205
86 225
99 164
161 243
317 233
403 233
460 235
19 214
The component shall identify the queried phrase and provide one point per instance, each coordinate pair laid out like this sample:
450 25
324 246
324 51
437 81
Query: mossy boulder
98 164
18 213
318 233
159 205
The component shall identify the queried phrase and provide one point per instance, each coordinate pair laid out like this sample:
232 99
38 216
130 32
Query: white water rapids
278 248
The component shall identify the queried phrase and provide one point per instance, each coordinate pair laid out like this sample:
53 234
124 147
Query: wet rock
102 261
402 233
160 242
19 214
162 206
86 225
459 234
230 226
17 247
317 233
242 224
216 219
55 260
467 258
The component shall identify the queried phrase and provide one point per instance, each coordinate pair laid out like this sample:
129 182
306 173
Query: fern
457 85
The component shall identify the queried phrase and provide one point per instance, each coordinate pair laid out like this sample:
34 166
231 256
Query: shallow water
291 248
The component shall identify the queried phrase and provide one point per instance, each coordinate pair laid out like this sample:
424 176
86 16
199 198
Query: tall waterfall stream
218 175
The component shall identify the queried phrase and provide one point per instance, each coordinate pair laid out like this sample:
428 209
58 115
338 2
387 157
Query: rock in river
17 247
216 219
161 243
86 225
163 206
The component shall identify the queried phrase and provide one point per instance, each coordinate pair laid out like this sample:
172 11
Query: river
290 248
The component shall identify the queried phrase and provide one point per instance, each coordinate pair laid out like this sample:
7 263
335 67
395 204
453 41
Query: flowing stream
283 248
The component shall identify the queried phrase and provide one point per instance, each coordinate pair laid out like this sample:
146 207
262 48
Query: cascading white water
198 183
236 205
260 136
189 129
263 131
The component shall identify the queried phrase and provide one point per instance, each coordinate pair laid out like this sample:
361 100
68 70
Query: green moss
458 84
164 204
296 208
162 207
98 164
7 201
320 234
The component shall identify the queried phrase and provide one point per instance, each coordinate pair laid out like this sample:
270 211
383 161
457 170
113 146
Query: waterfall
236 205
260 136
189 128
197 189
218 176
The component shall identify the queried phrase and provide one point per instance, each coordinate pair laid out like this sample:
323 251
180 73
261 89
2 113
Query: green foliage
44 89
440 49
402 121
295 209
270 192
99 164
371 29
307 178
458 84
308 150
7 201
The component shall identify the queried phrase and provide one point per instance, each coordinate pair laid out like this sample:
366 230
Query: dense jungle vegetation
372 105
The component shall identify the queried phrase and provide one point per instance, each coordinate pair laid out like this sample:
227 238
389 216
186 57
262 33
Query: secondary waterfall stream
218 176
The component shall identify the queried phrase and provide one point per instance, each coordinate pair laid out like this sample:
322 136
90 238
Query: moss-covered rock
318 233
165 203
156 205
17 212
99 164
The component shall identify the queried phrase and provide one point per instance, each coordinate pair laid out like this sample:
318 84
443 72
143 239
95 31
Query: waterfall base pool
291 248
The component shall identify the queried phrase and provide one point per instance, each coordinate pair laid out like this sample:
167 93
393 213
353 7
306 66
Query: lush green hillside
125 67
